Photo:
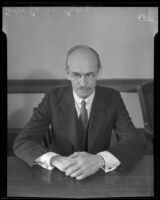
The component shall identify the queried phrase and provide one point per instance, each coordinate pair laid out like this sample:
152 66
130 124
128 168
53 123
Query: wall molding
44 85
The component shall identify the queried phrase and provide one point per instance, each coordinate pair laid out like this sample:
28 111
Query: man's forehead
82 56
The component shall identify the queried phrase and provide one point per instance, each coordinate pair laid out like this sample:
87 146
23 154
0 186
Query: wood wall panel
42 86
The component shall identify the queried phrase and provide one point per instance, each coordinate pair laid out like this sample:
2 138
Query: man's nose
83 81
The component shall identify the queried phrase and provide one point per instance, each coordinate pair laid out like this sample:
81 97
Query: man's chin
84 94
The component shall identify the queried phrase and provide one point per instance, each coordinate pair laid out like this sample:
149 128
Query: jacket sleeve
131 145
28 144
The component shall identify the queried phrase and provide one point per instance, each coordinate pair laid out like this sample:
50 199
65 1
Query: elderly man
82 118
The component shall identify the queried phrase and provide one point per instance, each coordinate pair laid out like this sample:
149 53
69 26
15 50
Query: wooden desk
24 181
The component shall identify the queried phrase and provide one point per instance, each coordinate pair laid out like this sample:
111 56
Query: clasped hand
78 164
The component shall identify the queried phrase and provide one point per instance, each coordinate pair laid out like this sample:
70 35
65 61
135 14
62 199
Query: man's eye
89 74
76 75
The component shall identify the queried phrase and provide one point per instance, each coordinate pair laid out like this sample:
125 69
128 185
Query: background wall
38 39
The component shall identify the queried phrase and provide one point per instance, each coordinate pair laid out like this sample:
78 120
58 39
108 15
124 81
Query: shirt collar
88 100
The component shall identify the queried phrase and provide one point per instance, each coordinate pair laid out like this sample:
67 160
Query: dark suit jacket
57 108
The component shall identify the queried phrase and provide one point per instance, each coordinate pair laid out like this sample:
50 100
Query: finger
77 173
81 176
85 174
75 154
69 164
71 170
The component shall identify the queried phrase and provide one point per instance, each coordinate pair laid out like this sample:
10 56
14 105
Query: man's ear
99 72
67 73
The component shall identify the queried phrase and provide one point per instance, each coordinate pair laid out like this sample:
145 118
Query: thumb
75 154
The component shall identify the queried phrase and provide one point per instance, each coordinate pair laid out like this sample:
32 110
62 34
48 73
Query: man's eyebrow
75 72
82 73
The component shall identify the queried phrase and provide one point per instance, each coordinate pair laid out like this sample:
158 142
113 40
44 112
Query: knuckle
81 162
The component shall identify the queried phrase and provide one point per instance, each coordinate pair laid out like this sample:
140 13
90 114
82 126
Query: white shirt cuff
44 160
111 162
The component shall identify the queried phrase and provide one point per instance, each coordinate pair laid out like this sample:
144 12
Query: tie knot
83 103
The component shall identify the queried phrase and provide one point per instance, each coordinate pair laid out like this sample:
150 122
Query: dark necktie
84 115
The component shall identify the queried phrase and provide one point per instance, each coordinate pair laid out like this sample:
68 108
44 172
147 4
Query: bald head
83 53
83 69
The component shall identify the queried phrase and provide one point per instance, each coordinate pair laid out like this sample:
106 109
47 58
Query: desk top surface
24 181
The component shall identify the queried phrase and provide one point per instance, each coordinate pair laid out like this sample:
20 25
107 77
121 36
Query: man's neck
81 98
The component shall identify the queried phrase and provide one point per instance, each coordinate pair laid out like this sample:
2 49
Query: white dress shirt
111 162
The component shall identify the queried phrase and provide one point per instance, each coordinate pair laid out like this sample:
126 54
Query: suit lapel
97 116
67 116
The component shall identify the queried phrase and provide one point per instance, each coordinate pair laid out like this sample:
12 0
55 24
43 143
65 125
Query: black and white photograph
80 100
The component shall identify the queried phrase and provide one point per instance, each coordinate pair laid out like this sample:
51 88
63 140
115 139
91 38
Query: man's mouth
84 89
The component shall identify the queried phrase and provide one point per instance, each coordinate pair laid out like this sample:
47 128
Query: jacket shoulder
107 90
59 91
